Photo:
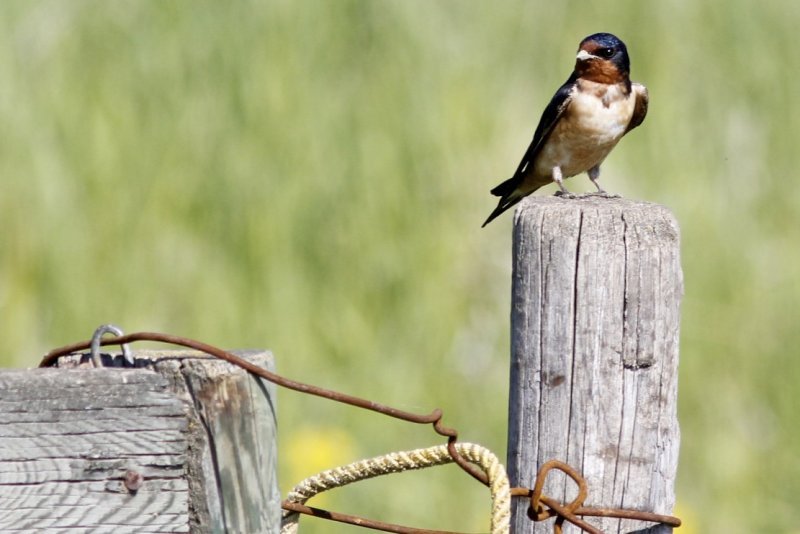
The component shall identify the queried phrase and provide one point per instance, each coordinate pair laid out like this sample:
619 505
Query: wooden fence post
181 443
595 316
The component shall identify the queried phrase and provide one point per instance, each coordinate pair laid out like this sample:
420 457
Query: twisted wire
396 462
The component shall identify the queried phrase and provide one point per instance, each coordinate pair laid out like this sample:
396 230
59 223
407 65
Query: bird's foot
592 194
566 194
603 194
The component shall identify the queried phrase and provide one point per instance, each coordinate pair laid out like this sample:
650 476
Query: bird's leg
559 179
594 174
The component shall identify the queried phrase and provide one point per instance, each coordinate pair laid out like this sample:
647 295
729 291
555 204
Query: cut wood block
182 442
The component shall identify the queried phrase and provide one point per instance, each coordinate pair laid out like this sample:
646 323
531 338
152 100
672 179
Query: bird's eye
605 52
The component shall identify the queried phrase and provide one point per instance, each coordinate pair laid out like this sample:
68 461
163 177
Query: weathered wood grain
200 431
595 319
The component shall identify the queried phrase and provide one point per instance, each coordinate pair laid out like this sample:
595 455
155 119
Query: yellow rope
404 461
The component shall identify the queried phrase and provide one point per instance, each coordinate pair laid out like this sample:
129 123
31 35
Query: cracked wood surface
200 431
595 318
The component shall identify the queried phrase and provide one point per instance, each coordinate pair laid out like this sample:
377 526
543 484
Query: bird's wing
550 116
509 189
640 107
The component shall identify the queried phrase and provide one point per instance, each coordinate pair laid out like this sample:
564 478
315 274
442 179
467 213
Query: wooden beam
181 443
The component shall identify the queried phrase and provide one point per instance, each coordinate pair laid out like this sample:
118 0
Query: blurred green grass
311 178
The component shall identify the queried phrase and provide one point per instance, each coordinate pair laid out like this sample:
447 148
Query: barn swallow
583 122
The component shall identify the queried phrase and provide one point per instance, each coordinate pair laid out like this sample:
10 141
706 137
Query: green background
310 177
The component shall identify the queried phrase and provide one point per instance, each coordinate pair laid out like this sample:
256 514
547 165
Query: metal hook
98 335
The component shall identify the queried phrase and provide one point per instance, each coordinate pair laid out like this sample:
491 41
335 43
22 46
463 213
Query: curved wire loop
97 338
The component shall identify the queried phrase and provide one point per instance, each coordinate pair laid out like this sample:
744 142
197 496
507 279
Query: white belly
587 131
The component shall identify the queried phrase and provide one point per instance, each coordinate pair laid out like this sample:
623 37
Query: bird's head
603 58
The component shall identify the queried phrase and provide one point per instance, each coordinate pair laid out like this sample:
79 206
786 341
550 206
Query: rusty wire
541 506
359 521
571 511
